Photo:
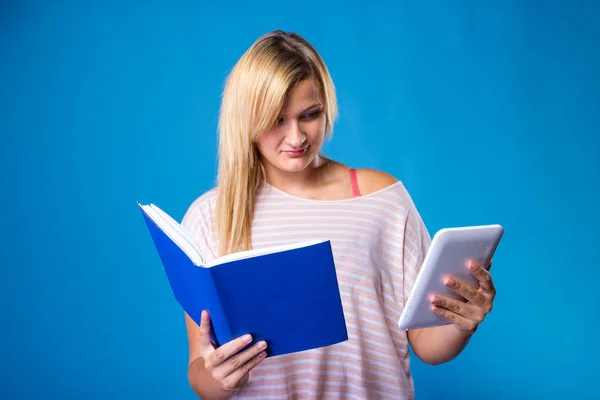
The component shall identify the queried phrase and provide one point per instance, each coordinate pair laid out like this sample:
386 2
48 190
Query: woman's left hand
467 316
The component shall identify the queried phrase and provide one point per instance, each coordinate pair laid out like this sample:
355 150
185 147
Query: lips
295 153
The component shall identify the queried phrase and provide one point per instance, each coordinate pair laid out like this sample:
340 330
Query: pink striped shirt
379 242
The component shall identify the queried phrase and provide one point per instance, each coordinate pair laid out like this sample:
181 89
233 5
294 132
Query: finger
483 277
239 374
221 354
466 291
205 329
467 310
239 360
460 321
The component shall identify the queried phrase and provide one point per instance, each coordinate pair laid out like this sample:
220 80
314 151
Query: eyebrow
314 106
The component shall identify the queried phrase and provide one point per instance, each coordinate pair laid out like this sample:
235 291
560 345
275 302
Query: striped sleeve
198 222
415 244
405 241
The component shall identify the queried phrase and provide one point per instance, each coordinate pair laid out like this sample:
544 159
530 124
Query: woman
275 187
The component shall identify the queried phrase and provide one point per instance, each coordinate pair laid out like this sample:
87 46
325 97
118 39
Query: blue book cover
287 295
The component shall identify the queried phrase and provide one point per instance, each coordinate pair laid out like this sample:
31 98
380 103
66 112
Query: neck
306 179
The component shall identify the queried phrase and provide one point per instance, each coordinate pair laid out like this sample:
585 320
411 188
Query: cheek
269 141
316 129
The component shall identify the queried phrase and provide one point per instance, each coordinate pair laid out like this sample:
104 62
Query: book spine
204 296
221 331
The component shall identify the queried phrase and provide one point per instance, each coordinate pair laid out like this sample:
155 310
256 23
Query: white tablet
448 255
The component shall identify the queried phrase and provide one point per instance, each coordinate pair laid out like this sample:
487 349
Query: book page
261 252
175 232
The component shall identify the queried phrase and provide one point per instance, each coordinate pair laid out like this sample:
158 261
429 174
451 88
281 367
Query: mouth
296 153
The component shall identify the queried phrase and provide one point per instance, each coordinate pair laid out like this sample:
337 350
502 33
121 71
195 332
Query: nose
294 135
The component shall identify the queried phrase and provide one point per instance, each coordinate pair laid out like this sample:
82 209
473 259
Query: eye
279 121
311 115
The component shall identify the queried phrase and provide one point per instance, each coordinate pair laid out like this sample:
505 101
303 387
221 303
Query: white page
259 252
175 232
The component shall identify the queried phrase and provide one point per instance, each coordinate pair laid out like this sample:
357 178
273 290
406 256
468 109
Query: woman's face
296 140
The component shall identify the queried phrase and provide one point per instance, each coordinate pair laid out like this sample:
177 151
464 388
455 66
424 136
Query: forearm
440 344
203 384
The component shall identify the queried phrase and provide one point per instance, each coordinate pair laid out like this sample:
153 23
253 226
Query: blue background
489 113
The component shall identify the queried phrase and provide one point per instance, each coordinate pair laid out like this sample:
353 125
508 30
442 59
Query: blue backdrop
488 112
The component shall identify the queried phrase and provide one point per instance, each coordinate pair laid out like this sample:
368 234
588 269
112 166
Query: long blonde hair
253 97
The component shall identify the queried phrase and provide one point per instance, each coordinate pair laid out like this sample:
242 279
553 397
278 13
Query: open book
286 295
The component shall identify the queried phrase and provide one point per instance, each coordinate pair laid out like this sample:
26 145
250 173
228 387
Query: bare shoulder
372 180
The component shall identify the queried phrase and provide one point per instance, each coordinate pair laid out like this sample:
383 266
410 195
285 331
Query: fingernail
262 345
450 282
473 266
246 338
262 355
434 299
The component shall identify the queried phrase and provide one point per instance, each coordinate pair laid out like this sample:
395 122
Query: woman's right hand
227 365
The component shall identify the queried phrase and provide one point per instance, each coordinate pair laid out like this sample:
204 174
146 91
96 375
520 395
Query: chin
295 165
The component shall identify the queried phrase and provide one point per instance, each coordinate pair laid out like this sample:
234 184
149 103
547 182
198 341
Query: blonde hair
254 95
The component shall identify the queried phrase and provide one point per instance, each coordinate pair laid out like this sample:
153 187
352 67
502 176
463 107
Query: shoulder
205 199
198 221
202 206
372 180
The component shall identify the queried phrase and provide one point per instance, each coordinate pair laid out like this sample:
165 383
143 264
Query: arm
440 344
219 373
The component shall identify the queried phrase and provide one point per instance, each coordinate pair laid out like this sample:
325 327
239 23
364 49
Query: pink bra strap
354 180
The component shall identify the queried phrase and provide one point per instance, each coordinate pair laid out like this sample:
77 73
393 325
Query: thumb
205 331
